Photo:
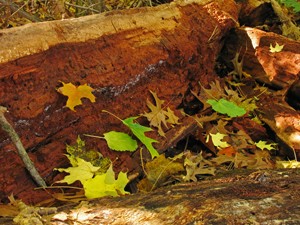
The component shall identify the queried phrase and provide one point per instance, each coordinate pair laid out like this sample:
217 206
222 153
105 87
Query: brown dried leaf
158 116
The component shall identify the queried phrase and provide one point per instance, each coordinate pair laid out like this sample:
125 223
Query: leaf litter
232 148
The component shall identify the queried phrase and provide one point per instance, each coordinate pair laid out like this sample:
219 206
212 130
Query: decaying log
242 197
122 55
279 70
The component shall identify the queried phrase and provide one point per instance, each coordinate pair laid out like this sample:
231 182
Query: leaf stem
112 114
21 150
94 136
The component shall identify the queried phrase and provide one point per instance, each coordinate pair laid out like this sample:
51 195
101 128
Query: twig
82 7
21 150
20 11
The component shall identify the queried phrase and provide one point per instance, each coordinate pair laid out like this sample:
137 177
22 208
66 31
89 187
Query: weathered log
240 197
279 70
122 55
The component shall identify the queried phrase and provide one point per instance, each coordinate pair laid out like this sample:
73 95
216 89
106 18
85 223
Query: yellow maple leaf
276 48
76 93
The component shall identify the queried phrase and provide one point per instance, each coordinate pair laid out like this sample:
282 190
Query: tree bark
238 197
122 55
263 197
280 71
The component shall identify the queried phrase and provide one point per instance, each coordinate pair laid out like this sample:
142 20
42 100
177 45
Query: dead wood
280 71
122 55
241 197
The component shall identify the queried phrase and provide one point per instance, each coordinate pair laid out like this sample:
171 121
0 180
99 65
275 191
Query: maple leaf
139 131
217 140
76 93
94 157
120 141
159 116
263 145
82 171
106 185
226 107
276 48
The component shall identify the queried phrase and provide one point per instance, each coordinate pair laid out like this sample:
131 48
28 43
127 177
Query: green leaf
292 4
139 131
106 185
120 141
225 107
263 145
82 172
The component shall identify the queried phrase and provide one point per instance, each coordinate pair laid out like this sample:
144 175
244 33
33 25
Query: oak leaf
139 131
215 92
159 116
263 145
197 165
217 140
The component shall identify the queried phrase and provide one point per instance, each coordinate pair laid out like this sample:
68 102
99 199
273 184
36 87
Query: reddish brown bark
122 55
280 71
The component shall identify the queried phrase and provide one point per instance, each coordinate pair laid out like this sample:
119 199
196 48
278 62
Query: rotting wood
21 150
238 197
121 55
280 71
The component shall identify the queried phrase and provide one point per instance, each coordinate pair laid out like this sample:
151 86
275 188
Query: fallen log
121 55
280 71
238 197
261 197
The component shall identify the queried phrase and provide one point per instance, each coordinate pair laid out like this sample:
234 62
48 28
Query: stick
21 150
17 9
